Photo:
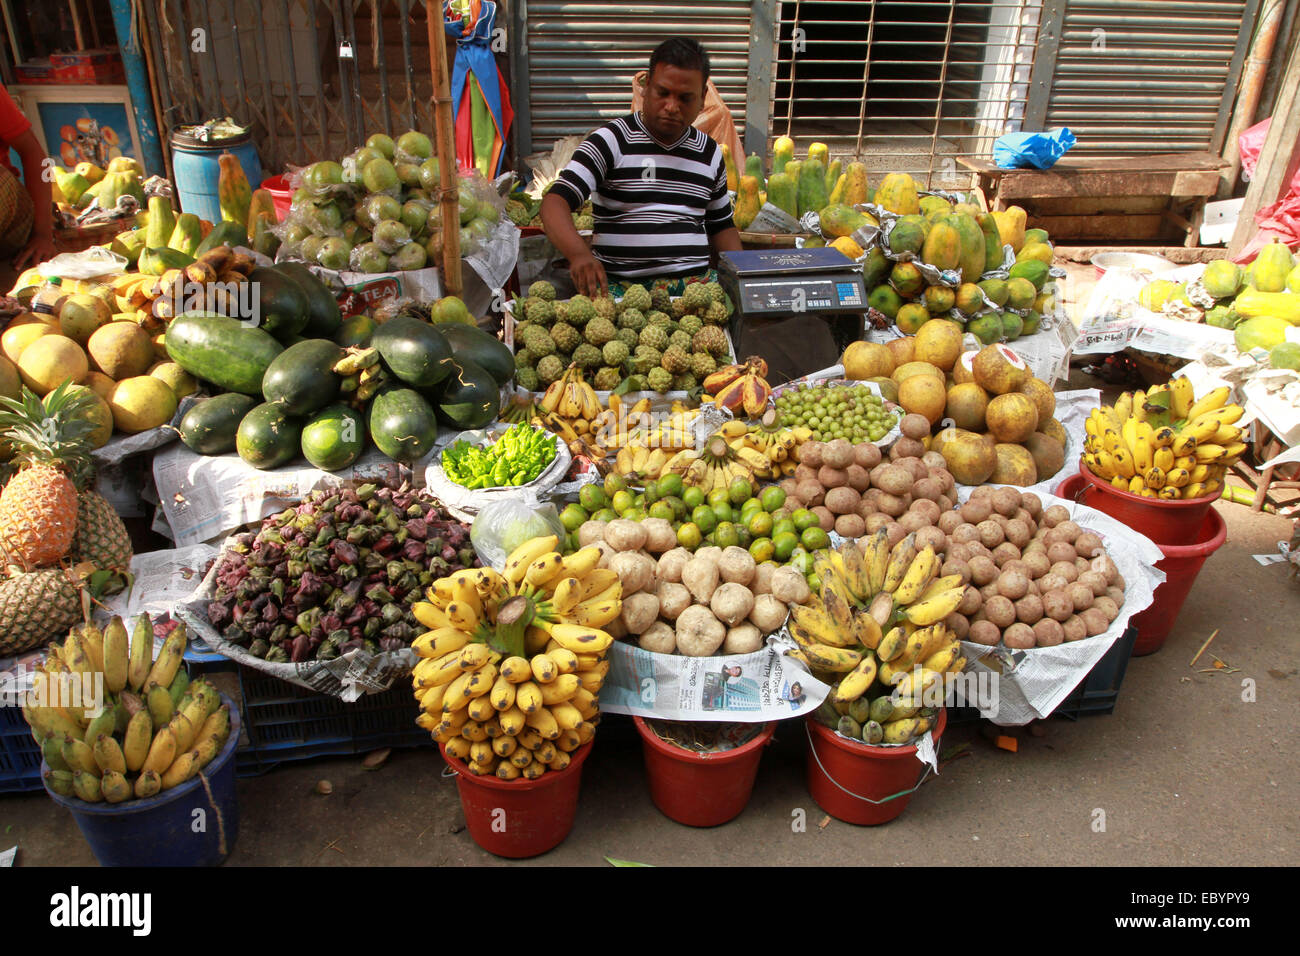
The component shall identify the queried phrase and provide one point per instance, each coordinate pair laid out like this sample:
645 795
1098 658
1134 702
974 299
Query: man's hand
587 272
588 276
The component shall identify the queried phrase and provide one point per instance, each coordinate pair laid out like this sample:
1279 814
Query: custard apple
632 319
549 370
676 360
615 353
587 356
566 337
703 365
655 337
604 307
524 359
541 289
527 379
659 379
646 359
690 324
540 311
680 339
538 342
659 298
607 379
710 339
685 382
628 338
581 310
635 297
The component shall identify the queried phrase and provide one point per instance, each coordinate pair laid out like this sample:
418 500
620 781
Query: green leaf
614 862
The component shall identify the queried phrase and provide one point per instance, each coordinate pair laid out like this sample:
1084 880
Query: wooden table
1113 200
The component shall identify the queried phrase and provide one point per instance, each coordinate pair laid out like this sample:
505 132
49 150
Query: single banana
524 555
900 561
856 683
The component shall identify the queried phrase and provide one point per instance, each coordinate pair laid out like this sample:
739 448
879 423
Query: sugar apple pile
662 343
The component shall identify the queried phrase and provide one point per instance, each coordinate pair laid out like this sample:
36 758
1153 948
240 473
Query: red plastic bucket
1164 522
281 196
520 818
1181 564
701 790
859 783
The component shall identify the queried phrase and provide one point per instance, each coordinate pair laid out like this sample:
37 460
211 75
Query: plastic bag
715 119
504 525
1032 150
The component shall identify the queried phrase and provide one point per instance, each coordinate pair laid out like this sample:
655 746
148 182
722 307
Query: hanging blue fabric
474 55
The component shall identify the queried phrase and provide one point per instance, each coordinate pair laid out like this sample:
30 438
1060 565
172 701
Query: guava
417 144
323 218
365 154
378 207
408 174
334 253
379 176
317 177
415 215
370 258
311 247
391 235
382 144
429 174
410 256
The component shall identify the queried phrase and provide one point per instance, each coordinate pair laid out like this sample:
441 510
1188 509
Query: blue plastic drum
194 163
188 825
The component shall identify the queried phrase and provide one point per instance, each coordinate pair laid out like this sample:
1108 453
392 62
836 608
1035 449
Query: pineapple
101 537
51 446
36 607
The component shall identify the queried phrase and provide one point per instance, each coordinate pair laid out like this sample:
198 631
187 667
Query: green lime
743 538
635 514
751 507
719 496
651 492
763 549
805 519
705 519
772 498
640 501
760 525
604 514
573 517
622 501
593 498
784 526
783 545
740 491
614 483
723 512
693 497
815 583
688 536
725 535
815 539
677 504
662 509
782 513
670 485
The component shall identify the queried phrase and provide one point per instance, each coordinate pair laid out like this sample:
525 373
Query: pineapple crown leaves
52 431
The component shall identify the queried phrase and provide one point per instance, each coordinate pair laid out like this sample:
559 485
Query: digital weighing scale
798 309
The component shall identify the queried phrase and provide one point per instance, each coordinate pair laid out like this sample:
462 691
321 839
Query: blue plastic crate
285 723
20 757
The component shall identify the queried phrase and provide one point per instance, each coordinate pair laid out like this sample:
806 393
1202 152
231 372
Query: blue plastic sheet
1032 150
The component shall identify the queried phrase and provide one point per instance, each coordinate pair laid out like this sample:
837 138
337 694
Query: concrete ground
1186 772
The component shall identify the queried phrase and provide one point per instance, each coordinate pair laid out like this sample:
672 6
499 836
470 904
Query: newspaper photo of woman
792 693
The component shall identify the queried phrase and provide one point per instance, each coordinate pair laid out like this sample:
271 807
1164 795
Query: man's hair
683 53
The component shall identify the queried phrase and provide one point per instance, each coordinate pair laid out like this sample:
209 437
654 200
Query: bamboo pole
444 149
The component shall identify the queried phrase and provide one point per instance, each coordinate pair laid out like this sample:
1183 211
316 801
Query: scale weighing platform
796 308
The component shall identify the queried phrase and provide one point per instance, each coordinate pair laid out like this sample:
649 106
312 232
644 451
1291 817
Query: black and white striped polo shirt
654 207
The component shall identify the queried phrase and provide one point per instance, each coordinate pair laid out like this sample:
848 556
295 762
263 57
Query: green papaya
833 174
875 267
907 235
781 193
992 242
754 167
129 244
1032 269
1272 266
162 220
187 234
1222 278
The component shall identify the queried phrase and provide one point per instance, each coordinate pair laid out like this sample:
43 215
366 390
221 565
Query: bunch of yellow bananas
879 621
1165 443
513 661
570 408
722 460
154 731
644 447
150 300
778 444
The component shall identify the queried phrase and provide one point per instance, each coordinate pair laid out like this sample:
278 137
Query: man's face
674 97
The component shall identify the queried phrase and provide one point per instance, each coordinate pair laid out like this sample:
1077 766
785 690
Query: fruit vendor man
658 187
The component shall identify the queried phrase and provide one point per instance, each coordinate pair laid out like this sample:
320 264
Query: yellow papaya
261 206
992 241
932 207
837 190
906 278
72 185
782 153
833 173
848 246
971 240
969 208
855 184
1037 235
733 178
187 234
820 152
838 220
234 194
792 170
939 299
1035 250
1155 293
746 202
1011 226
942 248
897 193
968 298
162 220
995 290
1293 280
1272 266
1253 303
911 317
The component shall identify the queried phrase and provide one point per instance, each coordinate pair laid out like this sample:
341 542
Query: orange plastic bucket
860 783
1181 564
701 789
1164 522
520 818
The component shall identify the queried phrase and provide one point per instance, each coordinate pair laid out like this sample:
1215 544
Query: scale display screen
789 294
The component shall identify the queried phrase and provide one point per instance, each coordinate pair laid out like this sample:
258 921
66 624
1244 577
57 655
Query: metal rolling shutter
1141 77
582 55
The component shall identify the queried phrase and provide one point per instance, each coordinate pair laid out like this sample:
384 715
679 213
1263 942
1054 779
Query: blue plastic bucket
183 826
197 171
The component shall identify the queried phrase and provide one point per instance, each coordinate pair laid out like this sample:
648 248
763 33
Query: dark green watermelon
334 437
469 398
487 351
413 350
403 424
